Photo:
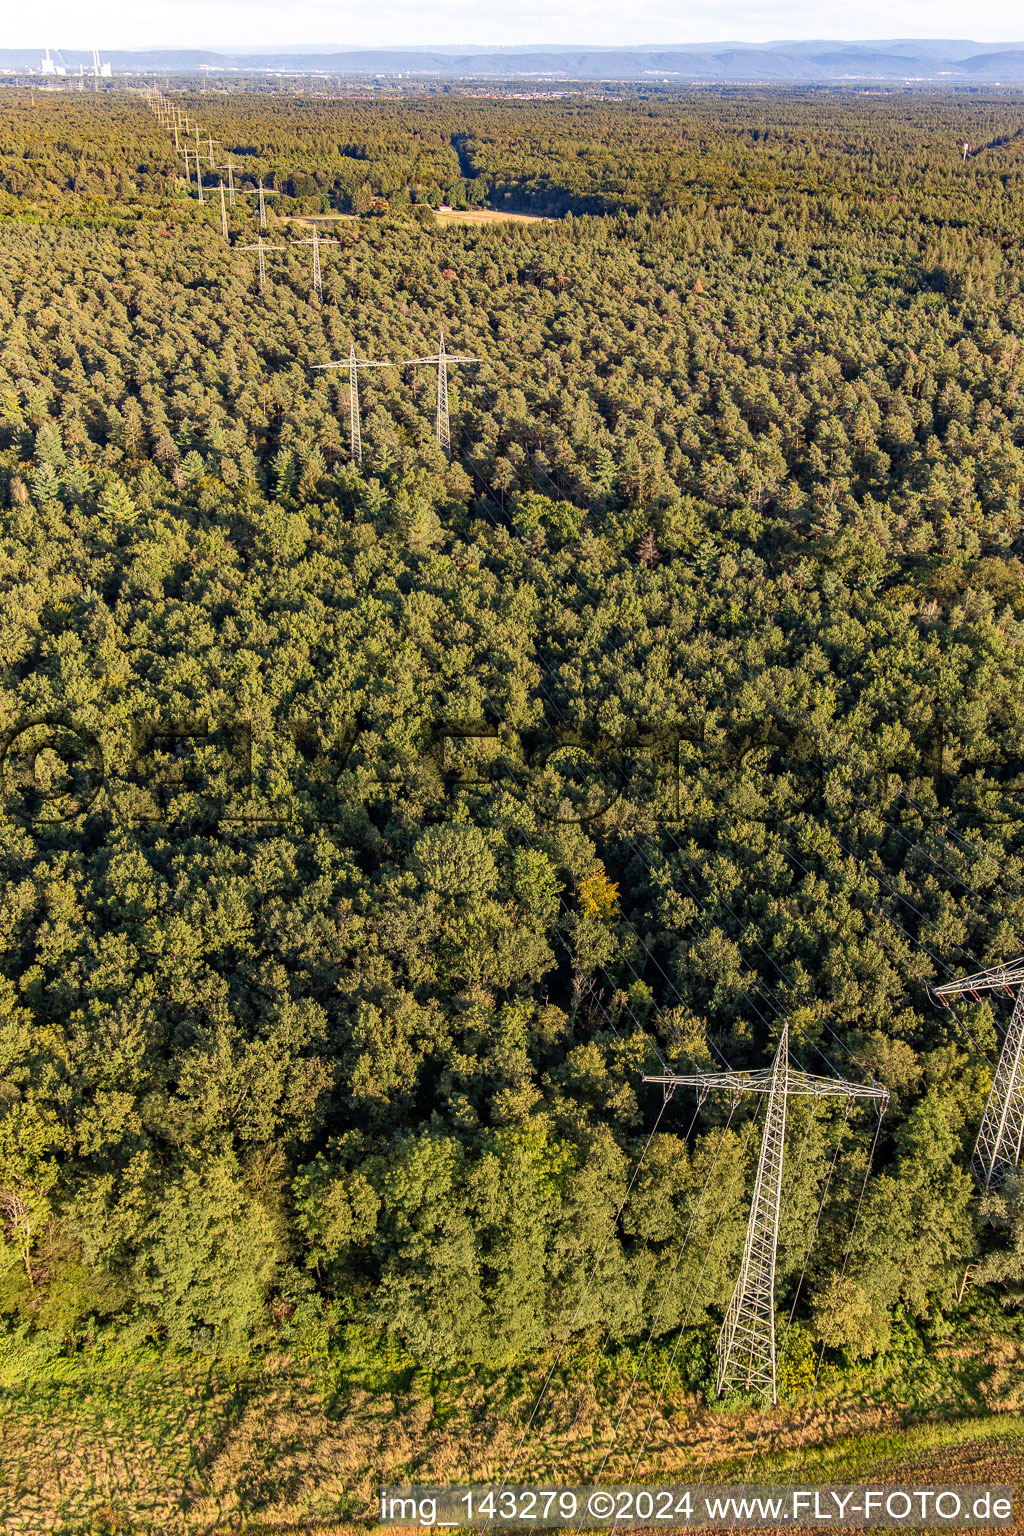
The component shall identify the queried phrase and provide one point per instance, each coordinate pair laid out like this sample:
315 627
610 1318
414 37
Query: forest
369 829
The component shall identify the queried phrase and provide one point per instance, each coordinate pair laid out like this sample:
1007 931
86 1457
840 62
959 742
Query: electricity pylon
746 1343
223 213
261 246
998 1147
442 359
254 192
353 364
316 241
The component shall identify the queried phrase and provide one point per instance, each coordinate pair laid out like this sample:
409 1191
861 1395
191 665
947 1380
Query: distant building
50 66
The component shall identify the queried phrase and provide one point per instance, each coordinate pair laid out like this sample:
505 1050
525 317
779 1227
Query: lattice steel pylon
746 1343
259 192
199 174
442 358
261 245
997 1150
316 240
353 364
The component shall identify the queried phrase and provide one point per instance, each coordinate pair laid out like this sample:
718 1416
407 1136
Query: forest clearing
483 216
442 215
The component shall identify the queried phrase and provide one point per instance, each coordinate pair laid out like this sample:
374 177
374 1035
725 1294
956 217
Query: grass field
143 1442
444 216
485 216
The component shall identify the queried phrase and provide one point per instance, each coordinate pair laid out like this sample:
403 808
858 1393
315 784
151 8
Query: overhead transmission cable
835 1304
773 1002
632 842
751 1124
794 1173
830 1174
646 1244
612 1226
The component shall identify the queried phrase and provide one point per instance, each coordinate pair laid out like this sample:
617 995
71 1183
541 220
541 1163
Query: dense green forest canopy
368 830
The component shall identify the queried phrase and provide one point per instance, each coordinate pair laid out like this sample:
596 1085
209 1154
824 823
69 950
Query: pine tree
647 551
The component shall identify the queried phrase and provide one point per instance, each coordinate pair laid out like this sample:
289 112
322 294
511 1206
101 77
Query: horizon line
539 45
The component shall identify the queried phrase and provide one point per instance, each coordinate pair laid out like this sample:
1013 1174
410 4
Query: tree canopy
369 830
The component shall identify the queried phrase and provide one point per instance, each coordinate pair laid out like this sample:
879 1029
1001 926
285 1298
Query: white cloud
238 23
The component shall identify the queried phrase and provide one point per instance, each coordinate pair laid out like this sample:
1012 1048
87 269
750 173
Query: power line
353 364
259 192
579 1307
769 996
746 1344
646 1243
315 240
723 1210
260 246
760 984
803 1268
998 1147
443 359
835 1304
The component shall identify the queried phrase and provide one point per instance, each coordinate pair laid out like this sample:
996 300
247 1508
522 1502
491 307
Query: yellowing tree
599 896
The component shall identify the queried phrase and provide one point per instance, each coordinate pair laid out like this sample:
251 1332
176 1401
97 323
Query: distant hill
899 59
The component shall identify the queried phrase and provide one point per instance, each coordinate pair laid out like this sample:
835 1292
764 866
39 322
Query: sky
271 23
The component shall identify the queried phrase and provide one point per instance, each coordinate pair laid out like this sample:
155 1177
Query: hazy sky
239 23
